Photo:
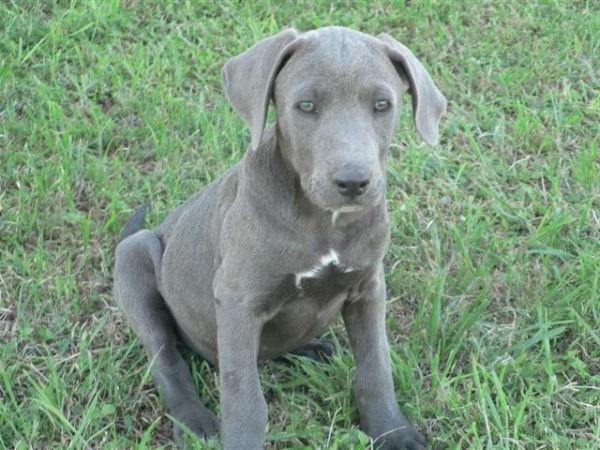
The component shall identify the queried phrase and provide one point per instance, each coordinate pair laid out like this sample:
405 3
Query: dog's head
337 94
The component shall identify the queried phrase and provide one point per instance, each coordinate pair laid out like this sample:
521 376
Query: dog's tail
135 222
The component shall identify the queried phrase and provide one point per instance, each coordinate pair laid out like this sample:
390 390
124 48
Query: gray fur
259 262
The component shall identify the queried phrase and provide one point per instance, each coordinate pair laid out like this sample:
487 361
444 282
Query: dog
259 262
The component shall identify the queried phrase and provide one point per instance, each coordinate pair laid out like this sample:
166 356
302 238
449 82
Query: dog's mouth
328 199
353 207
347 209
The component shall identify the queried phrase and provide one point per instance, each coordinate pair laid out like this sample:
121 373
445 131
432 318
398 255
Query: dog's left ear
428 102
248 79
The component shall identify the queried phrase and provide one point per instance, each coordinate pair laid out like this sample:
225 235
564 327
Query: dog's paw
320 350
201 422
406 437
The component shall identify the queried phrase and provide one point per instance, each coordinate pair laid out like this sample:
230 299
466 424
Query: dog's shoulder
207 206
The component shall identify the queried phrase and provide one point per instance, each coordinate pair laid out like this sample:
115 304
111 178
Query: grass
494 267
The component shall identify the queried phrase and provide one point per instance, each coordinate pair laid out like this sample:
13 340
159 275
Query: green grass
494 267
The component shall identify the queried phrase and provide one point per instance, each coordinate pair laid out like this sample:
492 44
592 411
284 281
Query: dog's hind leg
138 260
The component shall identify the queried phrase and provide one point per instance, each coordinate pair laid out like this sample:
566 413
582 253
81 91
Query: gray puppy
261 260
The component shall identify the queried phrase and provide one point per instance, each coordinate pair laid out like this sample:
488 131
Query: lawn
494 267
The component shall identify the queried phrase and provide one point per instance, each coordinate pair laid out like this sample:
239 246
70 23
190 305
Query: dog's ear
428 102
248 79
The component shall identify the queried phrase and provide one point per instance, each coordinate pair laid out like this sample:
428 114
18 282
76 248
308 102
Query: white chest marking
331 258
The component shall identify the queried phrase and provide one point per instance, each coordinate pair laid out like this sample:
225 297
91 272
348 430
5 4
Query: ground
494 267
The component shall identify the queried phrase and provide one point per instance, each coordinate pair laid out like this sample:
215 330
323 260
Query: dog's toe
407 439
320 350
202 423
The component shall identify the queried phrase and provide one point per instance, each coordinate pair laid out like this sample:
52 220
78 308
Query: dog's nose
351 182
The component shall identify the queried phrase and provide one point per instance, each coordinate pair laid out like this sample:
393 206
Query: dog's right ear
248 79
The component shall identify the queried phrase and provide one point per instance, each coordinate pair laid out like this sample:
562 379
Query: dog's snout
351 181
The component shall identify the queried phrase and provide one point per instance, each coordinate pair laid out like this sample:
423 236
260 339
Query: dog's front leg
243 406
380 415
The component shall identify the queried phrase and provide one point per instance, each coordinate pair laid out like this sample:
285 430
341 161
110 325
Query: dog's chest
321 282
308 301
326 277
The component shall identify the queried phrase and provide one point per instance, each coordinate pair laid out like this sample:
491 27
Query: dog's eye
382 105
307 107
